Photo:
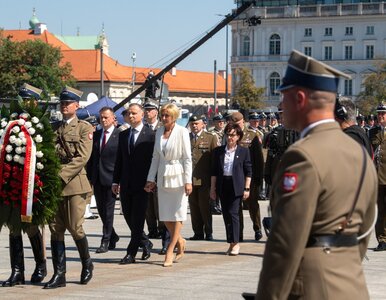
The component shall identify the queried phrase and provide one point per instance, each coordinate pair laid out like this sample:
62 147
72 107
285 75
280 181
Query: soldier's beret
381 107
194 118
253 116
70 94
28 91
218 117
150 104
237 116
305 71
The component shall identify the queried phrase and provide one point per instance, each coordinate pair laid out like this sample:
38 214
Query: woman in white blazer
172 165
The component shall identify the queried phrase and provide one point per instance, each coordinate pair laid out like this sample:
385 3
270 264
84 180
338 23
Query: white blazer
172 165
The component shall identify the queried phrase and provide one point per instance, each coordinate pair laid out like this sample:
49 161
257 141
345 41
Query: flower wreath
29 184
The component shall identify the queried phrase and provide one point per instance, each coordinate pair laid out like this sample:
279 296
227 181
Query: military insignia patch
290 182
90 135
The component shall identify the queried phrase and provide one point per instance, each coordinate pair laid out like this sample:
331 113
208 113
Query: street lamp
133 57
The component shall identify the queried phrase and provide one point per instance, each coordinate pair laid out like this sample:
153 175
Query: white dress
172 164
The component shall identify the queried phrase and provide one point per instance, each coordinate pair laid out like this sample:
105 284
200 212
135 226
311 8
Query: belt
333 240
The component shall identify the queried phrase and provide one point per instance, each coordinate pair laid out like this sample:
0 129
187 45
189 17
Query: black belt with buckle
333 240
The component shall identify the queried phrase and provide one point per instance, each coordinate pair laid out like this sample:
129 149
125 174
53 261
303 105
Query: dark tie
105 132
131 140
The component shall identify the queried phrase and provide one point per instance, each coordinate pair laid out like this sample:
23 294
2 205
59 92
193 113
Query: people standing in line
172 165
135 148
230 181
74 146
100 168
202 144
320 224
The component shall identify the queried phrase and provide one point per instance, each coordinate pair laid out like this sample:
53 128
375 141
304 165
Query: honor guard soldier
218 130
320 224
74 146
378 141
252 140
202 145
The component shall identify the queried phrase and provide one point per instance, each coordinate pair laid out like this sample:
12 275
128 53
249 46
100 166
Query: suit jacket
242 168
101 163
378 141
130 170
313 190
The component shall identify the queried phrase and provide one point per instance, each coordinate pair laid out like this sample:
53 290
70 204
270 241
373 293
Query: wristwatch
246 189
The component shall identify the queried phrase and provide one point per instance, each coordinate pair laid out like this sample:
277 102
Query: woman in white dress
172 165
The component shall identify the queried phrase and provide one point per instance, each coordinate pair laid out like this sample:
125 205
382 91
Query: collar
139 127
68 121
306 130
110 129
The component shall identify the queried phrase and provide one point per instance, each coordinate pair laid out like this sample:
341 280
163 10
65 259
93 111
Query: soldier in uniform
263 124
378 141
74 146
272 122
252 140
202 143
320 224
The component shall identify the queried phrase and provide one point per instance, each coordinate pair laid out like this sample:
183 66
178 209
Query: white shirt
313 125
108 134
137 131
228 161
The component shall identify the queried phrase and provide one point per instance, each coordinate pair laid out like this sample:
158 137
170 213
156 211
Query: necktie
131 140
105 132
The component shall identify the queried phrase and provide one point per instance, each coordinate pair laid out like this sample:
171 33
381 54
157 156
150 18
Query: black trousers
134 207
230 210
105 201
380 226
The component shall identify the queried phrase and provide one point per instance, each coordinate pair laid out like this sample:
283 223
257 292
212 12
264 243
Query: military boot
59 262
17 261
87 265
41 266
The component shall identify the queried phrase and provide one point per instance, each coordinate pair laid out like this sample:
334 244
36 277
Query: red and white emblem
290 182
90 135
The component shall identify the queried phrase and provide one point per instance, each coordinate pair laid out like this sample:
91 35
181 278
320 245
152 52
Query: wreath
29 184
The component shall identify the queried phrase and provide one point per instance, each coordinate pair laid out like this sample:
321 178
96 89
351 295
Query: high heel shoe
235 250
168 261
229 250
181 249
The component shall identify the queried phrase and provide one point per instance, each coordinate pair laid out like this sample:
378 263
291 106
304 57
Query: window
369 51
370 30
308 51
308 32
274 82
246 45
348 87
348 52
328 53
328 31
349 30
274 45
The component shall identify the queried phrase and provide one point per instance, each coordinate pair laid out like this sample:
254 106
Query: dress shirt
309 127
108 134
228 161
137 131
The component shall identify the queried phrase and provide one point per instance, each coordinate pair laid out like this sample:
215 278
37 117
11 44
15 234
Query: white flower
31 130
39 154
19 150
28 124
23 141
16 158
1 132
16 129
4 120
4 124
40 126
21 160
39 166
18 142
13 116
24 116
9 148
21 134
12 139
23 149
21 122
35 120
38 139
8 157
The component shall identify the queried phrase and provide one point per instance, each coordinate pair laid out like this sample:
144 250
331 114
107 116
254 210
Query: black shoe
92 217
59 261
87 265
146 252
41 267
162 251
113 242
197 237
209 237
381 247
128 259
17 261
258 235
103 248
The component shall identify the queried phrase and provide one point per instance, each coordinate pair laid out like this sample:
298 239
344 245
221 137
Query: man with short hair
320 223
218 129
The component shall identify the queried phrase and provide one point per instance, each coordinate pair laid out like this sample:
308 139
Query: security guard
202 144
320 224
252 140
74 146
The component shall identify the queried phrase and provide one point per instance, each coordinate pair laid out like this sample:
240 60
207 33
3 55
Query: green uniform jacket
378 141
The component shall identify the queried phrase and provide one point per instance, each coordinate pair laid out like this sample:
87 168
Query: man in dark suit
135 151
100 170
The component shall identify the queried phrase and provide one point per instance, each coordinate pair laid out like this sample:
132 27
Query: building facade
349 36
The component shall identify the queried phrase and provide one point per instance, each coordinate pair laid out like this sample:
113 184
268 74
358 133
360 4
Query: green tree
374 90
33 62
246 92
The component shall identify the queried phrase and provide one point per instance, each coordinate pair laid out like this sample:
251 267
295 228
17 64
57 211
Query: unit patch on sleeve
290 182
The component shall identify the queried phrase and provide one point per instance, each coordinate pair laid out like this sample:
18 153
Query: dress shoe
209 237
128 259
113 242
258 235
168 261
181 246
162 251
197 237
91 217
146 252
235 250
381 247
103 248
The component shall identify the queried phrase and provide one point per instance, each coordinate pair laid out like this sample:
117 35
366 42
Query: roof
46 37
78 42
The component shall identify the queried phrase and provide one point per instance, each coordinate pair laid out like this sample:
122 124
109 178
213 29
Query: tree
33 62
247 95
374 90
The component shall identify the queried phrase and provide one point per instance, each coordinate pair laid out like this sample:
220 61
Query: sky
153 29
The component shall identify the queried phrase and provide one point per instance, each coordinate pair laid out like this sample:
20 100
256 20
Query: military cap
253 116
194 118
237 116
305 71
92 120
371 117
204 118
218 117
360 117
70 94
271 116
262 116
381 107
149 104
27 91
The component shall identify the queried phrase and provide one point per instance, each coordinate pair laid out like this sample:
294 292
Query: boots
17 261
87 266
59 262
41 267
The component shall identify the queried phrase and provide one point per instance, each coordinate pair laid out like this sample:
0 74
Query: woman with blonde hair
172 165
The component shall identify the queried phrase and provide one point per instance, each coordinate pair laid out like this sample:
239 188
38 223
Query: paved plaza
205 272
